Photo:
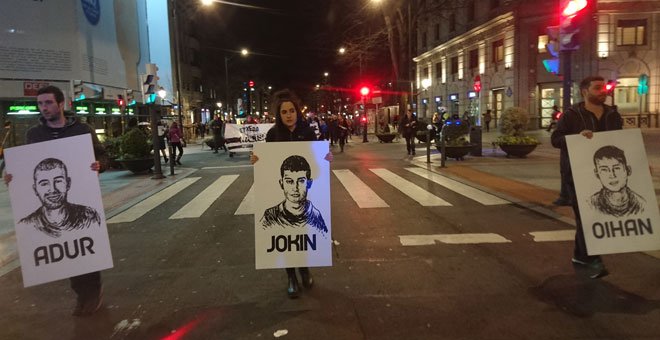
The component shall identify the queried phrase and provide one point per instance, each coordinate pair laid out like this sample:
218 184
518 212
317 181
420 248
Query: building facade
502 46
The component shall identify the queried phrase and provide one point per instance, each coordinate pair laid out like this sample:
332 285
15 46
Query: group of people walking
174 136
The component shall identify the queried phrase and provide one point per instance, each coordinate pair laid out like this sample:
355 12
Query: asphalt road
468 270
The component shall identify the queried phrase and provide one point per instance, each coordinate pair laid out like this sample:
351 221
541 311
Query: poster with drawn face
58 210
615 194
292 205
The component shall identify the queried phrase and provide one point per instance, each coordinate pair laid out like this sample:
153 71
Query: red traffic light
572 7
609 87
365 91
477 84
120 101
251 83
364 119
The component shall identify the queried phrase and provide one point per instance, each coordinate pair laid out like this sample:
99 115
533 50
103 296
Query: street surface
420 253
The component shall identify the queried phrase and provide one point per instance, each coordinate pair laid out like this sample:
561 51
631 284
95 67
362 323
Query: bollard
428 143
443 156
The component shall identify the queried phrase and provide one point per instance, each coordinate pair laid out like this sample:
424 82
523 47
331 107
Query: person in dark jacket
584 118
53 124
290 126
408 127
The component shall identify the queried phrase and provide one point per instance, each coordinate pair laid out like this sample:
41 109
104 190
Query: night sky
292 41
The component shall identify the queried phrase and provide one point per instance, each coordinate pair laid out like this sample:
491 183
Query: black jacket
575 120
411 129
73 127
301 133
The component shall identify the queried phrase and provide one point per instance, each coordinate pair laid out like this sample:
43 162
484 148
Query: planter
457 152
114 163
137 166
421 136
517 150
386 137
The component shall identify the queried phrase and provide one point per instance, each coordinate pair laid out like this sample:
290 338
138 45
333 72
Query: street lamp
244 53
426 83
162 93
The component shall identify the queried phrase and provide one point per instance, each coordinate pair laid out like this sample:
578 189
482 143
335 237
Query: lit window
498 51
543 40
631 32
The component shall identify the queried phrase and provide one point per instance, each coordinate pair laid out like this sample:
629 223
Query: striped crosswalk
362 194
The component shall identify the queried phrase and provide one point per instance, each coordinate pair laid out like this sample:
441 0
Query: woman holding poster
290 126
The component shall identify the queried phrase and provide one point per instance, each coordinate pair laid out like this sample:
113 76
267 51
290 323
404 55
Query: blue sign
472 94
425 101
453 97
92 10
438 99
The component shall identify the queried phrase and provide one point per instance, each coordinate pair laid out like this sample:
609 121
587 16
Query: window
424 40
425 73
498 51
543 40
452 22
438 72
494 4
454 65
474 59
470 11
631 32
437 32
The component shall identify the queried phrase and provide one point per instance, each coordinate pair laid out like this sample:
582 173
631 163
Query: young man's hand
96 166
253 158
587 133
329 157
7 178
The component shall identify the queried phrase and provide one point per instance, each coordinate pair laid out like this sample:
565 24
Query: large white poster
242 137
58 210
292 205
615 192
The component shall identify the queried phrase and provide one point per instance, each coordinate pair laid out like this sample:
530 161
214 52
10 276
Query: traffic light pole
568 82
158 172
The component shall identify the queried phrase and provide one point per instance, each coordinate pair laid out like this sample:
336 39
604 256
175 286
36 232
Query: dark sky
293 41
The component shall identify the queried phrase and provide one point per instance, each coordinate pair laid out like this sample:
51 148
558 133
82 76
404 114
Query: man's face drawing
295 185
51 186
612 173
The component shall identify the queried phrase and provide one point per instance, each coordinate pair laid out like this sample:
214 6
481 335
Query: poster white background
77 154
247 134
581 152
268 194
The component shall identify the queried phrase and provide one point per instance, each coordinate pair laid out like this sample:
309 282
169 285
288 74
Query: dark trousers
580 250
219 143
174 147
87 284
410 143
488 126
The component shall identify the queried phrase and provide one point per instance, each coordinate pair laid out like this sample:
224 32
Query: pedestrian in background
218 139
162 136
343 131
487 118
290 126
54 124
176 141
589 116
408 124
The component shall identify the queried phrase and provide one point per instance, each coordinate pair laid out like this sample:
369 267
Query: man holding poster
52 184
297 246
584 118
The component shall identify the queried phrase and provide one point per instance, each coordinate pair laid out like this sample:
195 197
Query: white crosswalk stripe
247 204
198 205
410 189
459 188
138 210
422 240
359 191
553 235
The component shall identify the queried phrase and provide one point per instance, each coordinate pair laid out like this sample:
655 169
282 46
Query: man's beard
54 200
597 100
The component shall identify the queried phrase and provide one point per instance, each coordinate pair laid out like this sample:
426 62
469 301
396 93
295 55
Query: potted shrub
457 144
421 131
112 152
385 134
513 140
135 151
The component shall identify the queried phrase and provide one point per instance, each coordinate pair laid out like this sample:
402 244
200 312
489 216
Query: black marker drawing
614 198
295 210
56 214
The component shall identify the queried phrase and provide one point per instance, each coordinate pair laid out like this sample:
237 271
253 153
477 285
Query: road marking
247 205
198 205
138 210
360 192
554 235
423 240
459 188
227 167
420 195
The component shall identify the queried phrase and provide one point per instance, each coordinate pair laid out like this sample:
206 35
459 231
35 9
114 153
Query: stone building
503 45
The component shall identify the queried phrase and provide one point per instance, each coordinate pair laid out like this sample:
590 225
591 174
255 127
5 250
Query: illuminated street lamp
326 74
207 2
341 50
244 52
426 83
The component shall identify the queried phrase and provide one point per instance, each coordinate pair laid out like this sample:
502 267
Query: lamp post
244 53
177 56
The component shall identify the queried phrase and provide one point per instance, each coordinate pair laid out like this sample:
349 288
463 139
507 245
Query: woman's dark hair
280 97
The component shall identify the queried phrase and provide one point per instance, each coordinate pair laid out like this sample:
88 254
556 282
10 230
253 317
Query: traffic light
365 90
251 84
77 90
609 87
130 98
150 84
364 119
477 84
570 21
120 101
643 84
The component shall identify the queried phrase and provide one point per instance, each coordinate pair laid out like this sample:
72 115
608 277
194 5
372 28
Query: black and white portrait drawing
56 214
295 211
614 197
614 191
291 202
57 208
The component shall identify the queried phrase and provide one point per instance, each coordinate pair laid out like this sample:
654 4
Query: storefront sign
30 88
100 110
23 110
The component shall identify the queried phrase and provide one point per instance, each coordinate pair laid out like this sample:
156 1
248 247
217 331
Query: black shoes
307 279
595 269
293 289
88 304
178 162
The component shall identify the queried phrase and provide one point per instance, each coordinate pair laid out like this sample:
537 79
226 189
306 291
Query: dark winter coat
73 127
575 120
